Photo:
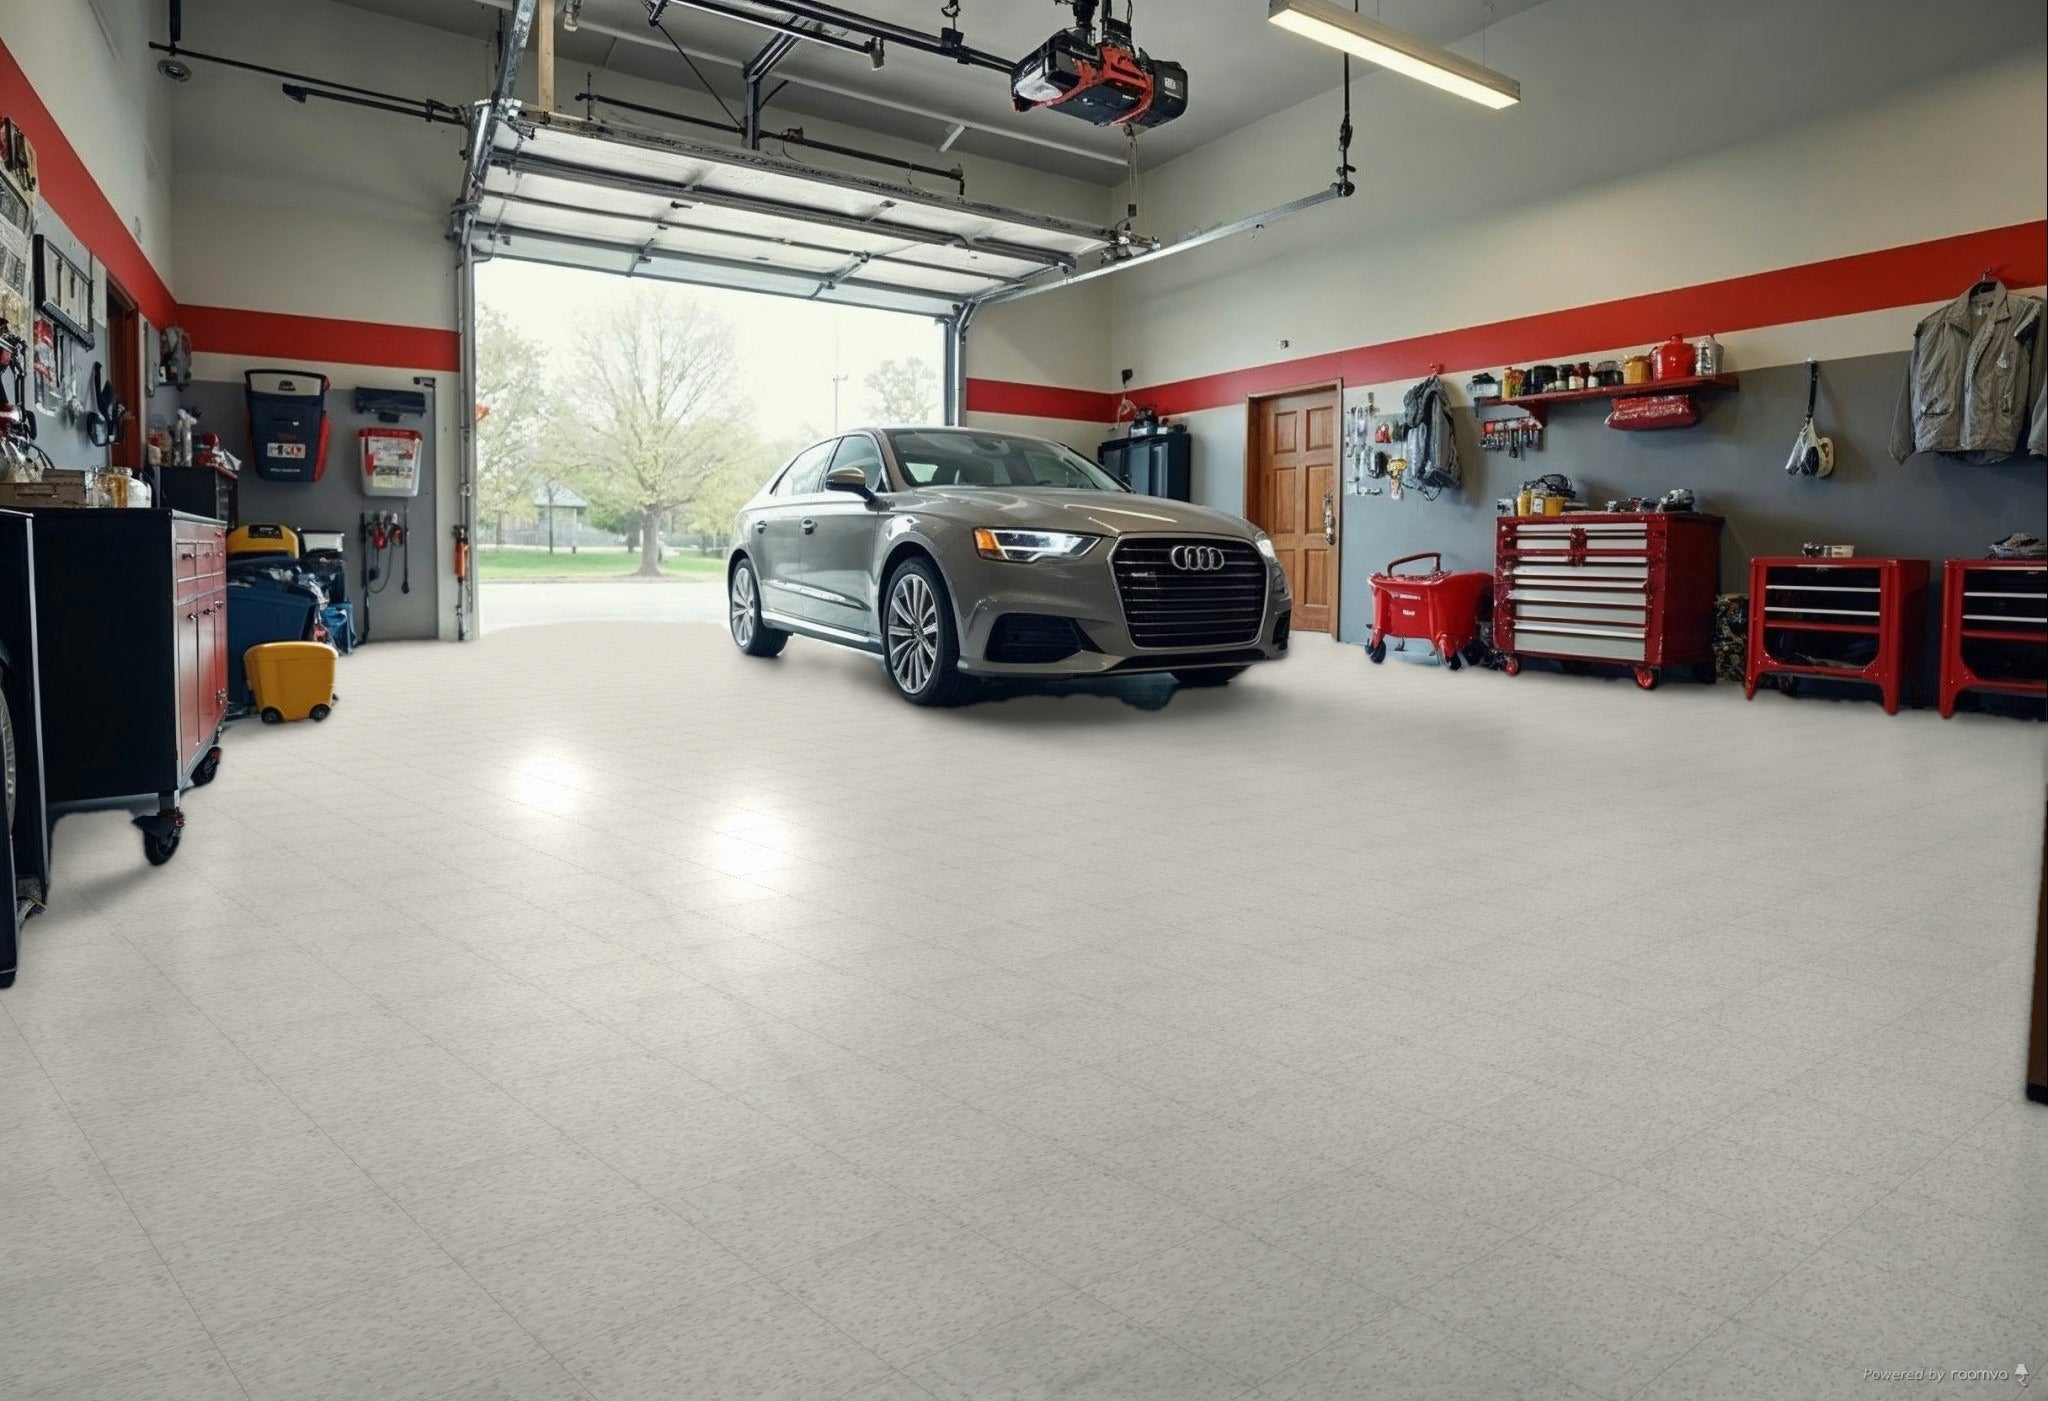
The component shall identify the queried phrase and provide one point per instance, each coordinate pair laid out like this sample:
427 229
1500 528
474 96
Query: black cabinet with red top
132 618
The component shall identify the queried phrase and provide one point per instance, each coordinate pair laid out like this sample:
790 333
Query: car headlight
1029 546
1264 544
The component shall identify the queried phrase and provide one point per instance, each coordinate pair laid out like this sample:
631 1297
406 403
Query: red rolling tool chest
1629 588
1793 598
1992 601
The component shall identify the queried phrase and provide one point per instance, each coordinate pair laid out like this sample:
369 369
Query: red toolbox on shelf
1440 608
1875 605
1628 588
1993 607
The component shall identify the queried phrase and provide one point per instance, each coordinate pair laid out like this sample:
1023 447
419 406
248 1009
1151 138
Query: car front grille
1166 606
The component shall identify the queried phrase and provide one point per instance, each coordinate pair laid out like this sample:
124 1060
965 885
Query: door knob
810 526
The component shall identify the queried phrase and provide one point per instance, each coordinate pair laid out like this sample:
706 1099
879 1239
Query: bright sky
789 350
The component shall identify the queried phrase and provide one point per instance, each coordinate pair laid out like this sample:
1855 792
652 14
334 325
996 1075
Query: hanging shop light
1340 28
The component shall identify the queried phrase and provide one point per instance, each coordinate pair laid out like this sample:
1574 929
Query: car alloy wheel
913 632
743 595
743 605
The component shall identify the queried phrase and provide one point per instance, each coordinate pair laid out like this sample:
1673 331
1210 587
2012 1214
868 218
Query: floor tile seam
1915 1278
106 1173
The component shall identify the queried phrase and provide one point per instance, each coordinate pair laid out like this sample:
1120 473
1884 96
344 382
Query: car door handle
760 527
810 526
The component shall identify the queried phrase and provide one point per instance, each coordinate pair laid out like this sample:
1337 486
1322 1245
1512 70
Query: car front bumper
1084 592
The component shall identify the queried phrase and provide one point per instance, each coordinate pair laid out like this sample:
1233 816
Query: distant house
558 500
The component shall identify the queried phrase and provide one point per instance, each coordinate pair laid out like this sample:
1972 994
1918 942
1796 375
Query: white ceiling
1240 68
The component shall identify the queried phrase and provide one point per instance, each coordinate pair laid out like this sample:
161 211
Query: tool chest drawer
1631 588
199 550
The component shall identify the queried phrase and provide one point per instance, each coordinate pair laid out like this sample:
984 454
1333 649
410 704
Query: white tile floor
594 1012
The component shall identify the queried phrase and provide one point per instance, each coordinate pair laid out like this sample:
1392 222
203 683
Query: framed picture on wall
63 291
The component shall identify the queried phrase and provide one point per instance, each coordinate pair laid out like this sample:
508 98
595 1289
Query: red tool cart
1634 588
1882 600
1992 601
1442 609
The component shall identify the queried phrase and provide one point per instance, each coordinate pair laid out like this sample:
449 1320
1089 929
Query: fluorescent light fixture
1332 24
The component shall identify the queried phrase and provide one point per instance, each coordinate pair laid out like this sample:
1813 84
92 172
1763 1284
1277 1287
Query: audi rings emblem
1196 559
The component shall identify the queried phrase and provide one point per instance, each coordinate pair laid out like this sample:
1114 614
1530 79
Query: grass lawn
513 563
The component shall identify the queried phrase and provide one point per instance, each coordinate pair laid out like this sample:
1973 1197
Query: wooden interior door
124 372
1292 494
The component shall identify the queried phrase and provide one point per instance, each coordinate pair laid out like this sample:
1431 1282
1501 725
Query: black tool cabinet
25 854
1152 464
131 614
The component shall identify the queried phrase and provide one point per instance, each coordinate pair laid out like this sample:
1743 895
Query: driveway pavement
512 604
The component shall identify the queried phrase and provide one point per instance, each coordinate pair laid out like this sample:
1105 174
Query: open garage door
595 195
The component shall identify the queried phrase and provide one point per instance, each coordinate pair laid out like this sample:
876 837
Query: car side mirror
853 479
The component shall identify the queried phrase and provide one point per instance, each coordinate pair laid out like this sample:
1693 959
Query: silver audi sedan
953 552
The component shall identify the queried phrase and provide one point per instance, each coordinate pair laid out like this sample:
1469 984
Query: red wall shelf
1537 406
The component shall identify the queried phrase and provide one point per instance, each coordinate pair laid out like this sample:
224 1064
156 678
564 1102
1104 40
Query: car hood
1092 512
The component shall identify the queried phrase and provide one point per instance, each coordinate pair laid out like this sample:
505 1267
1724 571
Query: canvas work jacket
1972 378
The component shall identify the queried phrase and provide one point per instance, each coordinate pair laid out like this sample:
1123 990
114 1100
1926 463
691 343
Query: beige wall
90 63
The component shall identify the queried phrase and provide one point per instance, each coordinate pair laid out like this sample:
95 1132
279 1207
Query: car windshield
960 457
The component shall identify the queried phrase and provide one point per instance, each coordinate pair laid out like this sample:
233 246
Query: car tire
920 643
750 633
1210 675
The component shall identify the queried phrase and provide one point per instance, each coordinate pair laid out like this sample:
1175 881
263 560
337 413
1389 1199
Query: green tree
512 410
903 391
654 418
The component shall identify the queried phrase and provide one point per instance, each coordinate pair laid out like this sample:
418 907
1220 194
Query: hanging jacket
2037 439
1432 444
1970 378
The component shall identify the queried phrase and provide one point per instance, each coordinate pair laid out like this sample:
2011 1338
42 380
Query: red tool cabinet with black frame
1872 607
131 610
1629 588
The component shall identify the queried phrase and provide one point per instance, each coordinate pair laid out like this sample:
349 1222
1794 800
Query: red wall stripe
1902 276
69 189
1039 400
269 335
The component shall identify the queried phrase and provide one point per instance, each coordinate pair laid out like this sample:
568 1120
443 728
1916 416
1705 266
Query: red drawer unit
1876 597
1634 589
1993 605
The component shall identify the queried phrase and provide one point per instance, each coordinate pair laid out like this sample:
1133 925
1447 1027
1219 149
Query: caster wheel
1646 678
1377 651
319 712
207 769
1452 661
160 835
272 715
1511 665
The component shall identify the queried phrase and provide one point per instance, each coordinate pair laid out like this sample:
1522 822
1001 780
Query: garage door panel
671 207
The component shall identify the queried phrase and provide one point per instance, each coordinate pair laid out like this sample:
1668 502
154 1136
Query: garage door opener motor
1098 74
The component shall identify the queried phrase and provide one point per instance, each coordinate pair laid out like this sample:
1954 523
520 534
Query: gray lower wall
336 501
1929 507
